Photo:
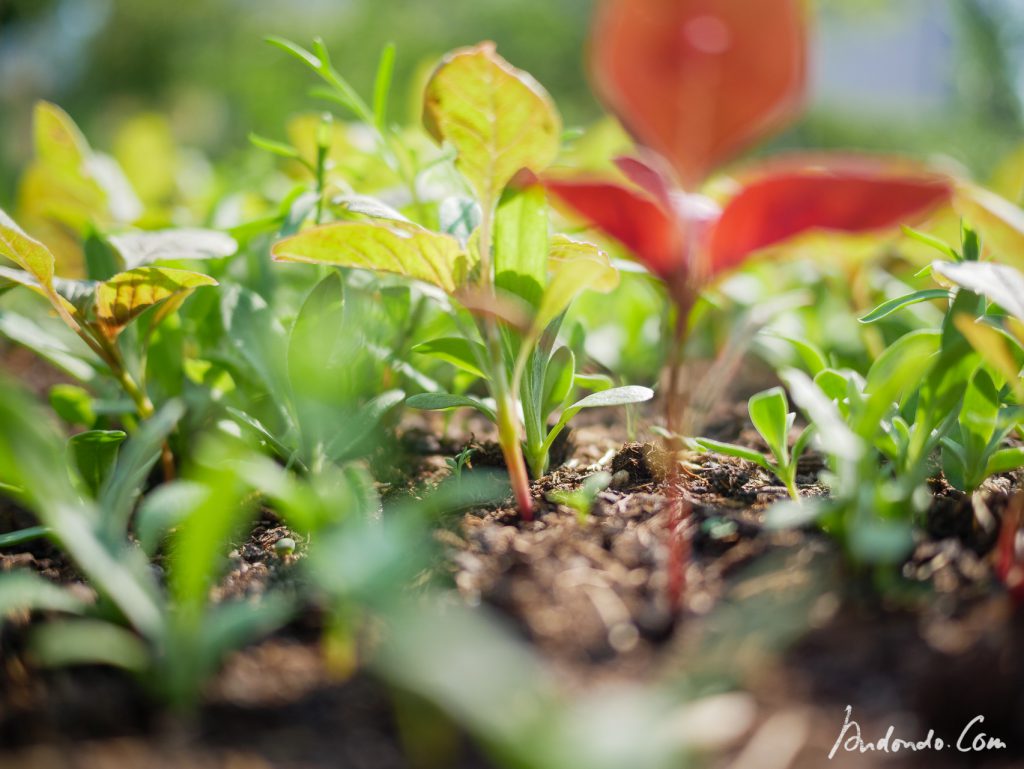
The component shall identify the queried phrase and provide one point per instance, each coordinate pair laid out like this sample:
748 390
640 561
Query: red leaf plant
697 82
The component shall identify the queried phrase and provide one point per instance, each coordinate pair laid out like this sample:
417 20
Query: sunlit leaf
998 283
1000 222
26 252
993 346
650 232
885 309
699 81
616 396
139 249
845 195
521 241
127 295
399 247
498 118
88 642
574 267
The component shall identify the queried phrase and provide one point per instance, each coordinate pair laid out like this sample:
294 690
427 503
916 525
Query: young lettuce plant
769 411
695 85
510 280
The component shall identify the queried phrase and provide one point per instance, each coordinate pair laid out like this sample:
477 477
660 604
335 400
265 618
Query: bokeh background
921 76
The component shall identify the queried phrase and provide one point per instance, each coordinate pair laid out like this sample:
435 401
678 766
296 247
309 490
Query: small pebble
284 546
620 479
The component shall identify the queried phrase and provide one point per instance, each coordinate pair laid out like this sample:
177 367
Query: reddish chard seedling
511 281
692 107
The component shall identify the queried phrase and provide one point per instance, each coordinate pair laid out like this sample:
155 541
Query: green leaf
769 411
135 462
127 295
73 404
28 591
284 453
139 249
95 454
574 267
163 509
458 217
274 147
998 283
382 86
814 360
88 642
886 309
617 396
20 537
521 242
462 353
498 118
50 348
559 379
1000 222
1005 460
403 248
732 450
932 242
445 401
26 252
979 415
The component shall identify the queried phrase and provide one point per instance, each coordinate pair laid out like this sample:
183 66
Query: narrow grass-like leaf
885 309
732 450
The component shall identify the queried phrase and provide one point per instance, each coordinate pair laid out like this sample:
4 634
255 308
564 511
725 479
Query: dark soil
776 614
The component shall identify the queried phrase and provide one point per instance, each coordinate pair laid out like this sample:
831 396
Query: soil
776 614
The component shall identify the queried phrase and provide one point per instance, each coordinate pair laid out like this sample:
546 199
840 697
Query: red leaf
700 80
653 234
846 194
648 178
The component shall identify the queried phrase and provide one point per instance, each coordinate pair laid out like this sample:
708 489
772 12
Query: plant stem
512 450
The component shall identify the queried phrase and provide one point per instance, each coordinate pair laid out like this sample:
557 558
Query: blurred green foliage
203 64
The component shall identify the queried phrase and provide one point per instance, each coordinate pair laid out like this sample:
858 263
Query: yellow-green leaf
403 248
573 268
994 348
26 252
498 118
999 222
127 295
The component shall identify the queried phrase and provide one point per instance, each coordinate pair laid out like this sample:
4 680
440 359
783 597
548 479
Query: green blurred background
924 76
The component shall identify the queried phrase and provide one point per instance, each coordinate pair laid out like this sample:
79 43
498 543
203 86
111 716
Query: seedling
693 112
769 411
459 462
582 499
512 281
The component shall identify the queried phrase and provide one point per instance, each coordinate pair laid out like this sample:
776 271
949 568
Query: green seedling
509 280
172 638
975 448
582 499
459 462
770 414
